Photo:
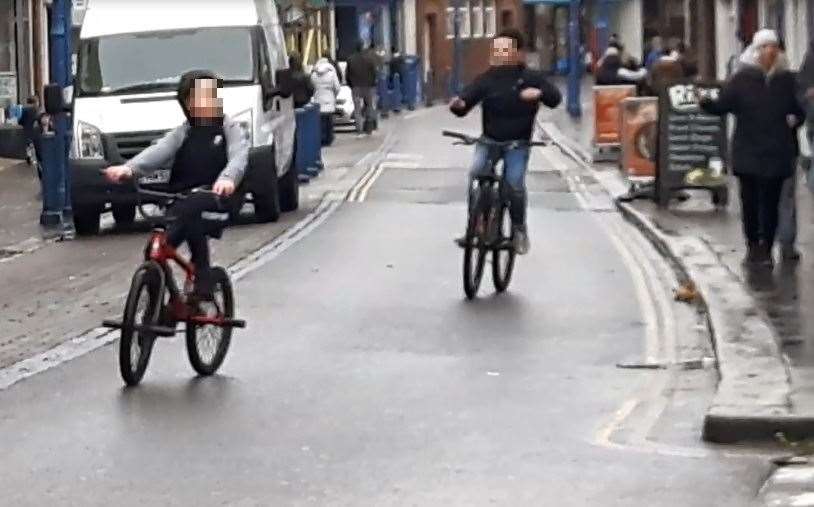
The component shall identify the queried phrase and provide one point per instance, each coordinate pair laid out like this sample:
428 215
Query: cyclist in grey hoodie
208 150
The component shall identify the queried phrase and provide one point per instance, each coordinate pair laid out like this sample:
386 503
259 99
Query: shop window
466 23
490 18
477 19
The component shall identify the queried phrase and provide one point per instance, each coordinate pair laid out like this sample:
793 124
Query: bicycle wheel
503 254
141 309
207 344
476 232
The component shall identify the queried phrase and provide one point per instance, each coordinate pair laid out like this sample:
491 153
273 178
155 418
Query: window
477 18
490 17
450 22
466 23
106 64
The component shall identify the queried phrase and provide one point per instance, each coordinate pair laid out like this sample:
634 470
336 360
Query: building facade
480 20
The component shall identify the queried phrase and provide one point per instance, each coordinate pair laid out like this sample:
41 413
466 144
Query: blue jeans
515 163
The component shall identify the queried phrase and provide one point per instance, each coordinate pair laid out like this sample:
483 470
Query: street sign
692 143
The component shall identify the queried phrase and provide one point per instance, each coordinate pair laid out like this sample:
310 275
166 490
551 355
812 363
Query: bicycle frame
162 253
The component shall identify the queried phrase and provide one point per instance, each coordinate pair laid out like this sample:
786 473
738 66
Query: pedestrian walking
302 89
326 89
612 71
762 96
361 75
30 121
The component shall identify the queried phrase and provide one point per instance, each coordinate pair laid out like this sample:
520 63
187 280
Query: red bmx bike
156 306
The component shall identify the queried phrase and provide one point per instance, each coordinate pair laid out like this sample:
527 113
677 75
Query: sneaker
520 241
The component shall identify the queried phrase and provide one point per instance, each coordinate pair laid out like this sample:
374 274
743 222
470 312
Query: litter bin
308 155
383 92
395 94
410 81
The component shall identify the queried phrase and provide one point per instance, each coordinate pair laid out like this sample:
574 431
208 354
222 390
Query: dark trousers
760 207
327 124
190 221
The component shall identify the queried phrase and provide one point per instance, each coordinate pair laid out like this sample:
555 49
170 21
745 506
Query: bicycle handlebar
469 140
168 197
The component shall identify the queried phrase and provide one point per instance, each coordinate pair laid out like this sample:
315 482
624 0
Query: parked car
130 60
344 107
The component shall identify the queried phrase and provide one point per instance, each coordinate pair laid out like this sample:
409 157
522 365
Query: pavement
758 319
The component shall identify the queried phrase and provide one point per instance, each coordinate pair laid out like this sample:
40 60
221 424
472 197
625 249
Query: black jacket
506 117
764 144
361 70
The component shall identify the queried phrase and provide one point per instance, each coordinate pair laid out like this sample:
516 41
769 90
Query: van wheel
86 220
290 191
124 214
267 201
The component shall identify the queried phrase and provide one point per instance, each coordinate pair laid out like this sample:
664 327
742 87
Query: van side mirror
54 100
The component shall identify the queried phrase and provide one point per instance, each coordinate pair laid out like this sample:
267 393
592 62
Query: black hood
187 83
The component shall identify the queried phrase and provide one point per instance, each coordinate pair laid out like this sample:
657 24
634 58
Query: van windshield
155 61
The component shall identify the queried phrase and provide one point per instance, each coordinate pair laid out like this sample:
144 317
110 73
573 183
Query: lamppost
574 105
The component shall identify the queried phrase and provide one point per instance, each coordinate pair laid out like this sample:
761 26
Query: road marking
370 182
404 156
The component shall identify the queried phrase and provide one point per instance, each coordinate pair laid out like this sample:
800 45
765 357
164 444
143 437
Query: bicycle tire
503 260
475 256
135 347
202 363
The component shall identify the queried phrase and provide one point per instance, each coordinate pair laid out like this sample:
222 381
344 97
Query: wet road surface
364 378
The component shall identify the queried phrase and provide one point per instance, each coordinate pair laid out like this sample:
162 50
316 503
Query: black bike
489 226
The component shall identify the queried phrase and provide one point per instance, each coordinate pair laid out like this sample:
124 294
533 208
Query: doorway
506 19
432 77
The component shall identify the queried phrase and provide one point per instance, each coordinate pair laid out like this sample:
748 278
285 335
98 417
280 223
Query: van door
278 114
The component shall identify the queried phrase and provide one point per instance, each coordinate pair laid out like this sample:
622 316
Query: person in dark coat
30 121
361 76
612 71
302 89
762 96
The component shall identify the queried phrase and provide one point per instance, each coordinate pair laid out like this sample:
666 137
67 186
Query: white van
131 55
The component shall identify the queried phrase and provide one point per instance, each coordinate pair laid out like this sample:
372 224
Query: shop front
376 22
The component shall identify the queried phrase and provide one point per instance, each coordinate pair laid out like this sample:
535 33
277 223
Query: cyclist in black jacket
510 95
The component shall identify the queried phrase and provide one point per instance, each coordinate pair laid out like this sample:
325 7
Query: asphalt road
364 378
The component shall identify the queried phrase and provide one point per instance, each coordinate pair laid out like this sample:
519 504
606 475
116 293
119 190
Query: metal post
575 65
457 50
57 214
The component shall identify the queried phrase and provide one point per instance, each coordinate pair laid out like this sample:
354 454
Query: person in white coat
326 88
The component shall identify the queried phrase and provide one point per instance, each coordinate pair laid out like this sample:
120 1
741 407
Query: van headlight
246 121
88 142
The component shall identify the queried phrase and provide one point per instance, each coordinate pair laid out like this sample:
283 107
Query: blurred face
203 100
767 55
504 52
